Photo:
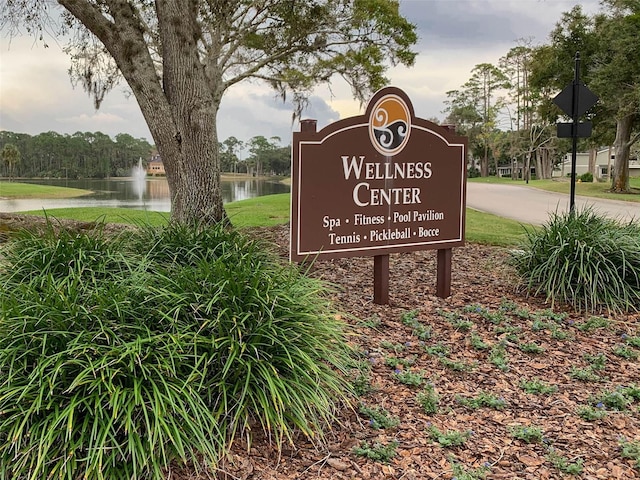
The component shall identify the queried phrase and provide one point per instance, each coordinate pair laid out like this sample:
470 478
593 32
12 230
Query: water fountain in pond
139 178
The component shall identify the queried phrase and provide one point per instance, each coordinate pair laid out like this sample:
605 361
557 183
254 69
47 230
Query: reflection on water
148 194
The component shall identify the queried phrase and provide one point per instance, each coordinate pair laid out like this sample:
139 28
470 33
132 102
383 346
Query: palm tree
11 157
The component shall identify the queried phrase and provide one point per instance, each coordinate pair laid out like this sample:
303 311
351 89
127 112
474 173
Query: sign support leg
443 286
381 279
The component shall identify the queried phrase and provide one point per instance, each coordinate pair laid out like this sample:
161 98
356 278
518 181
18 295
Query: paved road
532 205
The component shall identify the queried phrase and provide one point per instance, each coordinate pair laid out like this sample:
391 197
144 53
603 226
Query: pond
139 193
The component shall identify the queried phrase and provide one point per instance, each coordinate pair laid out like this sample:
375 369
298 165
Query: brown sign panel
375 184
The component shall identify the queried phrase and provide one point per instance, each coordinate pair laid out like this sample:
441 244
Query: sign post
376 184
574 101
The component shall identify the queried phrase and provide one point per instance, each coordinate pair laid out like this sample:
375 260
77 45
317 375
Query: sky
36 94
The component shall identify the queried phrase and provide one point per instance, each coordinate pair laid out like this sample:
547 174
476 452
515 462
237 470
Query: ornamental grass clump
584 259
119 355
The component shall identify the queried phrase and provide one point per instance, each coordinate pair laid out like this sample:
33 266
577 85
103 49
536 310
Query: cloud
455 35
252 110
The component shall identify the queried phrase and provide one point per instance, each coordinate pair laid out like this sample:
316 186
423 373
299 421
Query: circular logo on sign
389 125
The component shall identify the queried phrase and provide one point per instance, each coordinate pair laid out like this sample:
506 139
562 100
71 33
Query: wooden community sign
376 184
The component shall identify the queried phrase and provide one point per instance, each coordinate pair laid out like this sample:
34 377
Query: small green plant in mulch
634 341
495 317
460 472
378 452
438 350
632 392
612 399
530 434
371 322
559 333
361 384
596 362
394 362
631 450
395 347
618 399
422 332
498 357
457 365
508 332
428 399
508 305
592 413
410 318
407 377
483 399
477 343
531 347
515 309
536 386
522 313
379 418
450 438
563 464
593 323
550 314
624 351
457 320
585 259
587 374
449 316
360 374
473 308
463 325
539 325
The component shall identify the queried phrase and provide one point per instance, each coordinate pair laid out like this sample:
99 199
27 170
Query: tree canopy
179 57
610 53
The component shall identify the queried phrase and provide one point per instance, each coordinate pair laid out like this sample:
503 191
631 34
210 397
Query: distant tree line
96 155
81 155
257 156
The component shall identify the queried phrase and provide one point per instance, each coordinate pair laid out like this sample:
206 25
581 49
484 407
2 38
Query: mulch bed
483 289
441 339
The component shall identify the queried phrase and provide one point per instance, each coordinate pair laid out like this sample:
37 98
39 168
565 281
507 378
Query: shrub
120 355
586 177
584 259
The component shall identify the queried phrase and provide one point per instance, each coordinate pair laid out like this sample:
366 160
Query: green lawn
274 210
30 190
563 185
105 214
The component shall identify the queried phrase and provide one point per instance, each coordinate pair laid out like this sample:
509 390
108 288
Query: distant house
155 166
506 171
602 164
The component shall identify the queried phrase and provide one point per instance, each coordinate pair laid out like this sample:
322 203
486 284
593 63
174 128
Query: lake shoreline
150 193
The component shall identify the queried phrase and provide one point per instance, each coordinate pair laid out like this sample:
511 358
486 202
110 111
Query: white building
602 164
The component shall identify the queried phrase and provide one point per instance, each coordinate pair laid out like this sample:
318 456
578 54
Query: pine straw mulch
484 305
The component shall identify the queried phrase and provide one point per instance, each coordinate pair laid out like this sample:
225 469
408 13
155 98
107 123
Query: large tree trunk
539 166
180 110
593 153
191 151
484 163
622 144
546 164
